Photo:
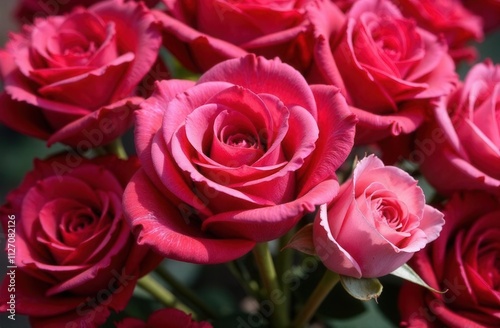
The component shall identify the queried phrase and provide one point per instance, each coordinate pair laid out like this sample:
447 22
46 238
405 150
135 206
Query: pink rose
378 220
449 18
389 69
464 260
76 256
70 78
468 156
164 318
235 159
202 33
27 10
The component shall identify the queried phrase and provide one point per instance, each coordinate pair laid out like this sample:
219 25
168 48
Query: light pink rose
73 77
389 69
234 159
468 156
376 223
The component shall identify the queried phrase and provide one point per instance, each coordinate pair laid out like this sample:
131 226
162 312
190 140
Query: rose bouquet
252 163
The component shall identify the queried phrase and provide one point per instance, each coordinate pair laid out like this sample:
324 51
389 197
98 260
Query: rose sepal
407 273
363 289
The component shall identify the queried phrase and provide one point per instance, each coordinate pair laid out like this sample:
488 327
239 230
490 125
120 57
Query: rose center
80 223
80 49
77 225
387 41
242 141
390 212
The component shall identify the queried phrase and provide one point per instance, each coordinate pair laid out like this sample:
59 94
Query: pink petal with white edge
432 223
331 253
156 222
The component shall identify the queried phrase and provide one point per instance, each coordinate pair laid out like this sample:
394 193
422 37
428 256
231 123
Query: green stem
285 256
251 286
187 293
155 289
326 284
284 263
116 148
267 271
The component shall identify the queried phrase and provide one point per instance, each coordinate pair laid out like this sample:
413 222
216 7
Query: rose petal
372 127
98 93
154 219
483 153
272 75
334 117
267 223
331 253
26 118
175 36
137 32
98 128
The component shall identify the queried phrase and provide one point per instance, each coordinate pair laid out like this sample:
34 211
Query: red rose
202 33
75 254
234 159
464 260
165 318
70 78
383 207
27 10
388 68
467 155
448 17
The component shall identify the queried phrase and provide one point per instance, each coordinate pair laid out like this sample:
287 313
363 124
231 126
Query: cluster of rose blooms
253 149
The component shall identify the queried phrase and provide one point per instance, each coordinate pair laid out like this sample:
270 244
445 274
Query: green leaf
407 273
363 289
